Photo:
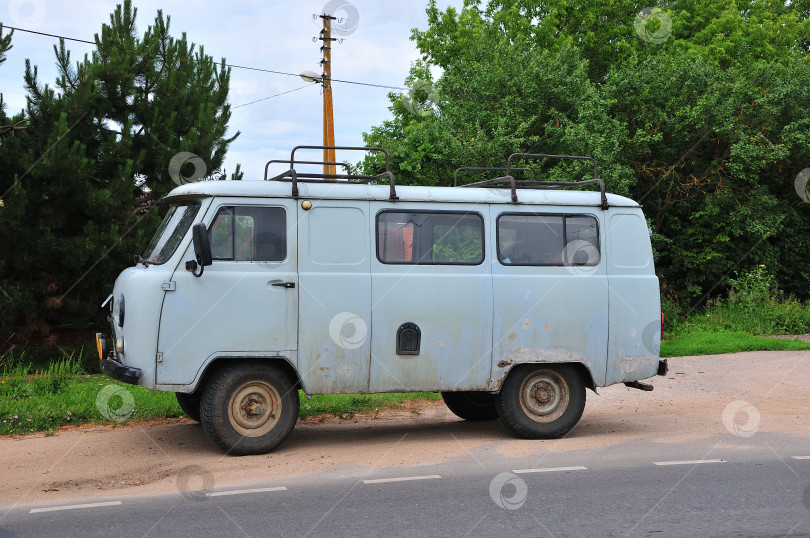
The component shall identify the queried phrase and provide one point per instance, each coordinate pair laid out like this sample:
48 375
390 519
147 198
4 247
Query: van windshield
172 230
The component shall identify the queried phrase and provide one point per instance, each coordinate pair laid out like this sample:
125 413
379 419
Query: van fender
215 362
524 356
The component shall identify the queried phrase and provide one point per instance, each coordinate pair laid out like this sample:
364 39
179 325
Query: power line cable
50 35
263 70
228 65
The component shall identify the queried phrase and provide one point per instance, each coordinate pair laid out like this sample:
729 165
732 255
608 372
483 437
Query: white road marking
73 507
400 479
687 462
550 469
243 491
801 457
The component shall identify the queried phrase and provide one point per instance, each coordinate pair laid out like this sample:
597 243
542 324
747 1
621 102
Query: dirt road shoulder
148 458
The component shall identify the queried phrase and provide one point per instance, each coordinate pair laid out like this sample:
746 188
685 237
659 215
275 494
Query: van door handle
285 284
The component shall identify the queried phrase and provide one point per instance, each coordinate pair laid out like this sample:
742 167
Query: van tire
190 404
271 394
541 401
475 406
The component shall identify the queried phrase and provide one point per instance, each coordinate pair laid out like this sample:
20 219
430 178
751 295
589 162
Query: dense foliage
69 165
698 110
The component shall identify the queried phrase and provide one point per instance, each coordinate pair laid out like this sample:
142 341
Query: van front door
245 304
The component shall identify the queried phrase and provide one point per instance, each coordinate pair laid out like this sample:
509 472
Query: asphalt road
717 486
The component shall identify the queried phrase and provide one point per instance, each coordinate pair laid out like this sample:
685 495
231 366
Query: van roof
342 190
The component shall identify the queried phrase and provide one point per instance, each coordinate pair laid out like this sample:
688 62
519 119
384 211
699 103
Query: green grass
47 400
753 307
698 342
44 400
347 405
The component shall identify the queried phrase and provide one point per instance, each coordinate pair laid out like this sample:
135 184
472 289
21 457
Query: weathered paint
141 288
233 309
334 296
338 326
635 311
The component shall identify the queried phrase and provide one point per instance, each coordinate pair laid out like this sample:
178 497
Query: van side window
245 233
548 240
430 238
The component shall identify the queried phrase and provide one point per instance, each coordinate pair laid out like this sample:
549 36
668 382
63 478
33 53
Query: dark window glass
430 238
549 240
582 241
244 233
175 224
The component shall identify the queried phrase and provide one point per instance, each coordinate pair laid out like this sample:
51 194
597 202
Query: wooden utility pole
328 116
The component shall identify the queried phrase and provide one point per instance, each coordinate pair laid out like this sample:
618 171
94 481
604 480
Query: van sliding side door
431 298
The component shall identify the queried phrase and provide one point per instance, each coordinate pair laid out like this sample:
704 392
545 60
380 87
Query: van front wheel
541 401
249 408
474 406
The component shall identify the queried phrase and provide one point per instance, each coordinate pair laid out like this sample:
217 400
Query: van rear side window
548 240
245 233
430 238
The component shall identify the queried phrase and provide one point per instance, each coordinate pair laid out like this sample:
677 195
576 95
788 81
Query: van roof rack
508 179
295 177
487 169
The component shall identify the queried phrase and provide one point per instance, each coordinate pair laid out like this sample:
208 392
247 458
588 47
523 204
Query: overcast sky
263 34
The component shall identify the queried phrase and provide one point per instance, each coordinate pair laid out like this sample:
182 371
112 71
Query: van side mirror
202 249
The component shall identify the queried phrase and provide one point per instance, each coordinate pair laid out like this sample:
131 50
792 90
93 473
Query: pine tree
119 116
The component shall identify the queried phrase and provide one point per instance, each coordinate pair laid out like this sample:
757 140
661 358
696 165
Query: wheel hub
255 409
544 396
254 406
542 393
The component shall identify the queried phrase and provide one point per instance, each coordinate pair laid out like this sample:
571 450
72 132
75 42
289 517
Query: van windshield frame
171 232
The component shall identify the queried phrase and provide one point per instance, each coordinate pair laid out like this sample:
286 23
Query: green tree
67 224
698 110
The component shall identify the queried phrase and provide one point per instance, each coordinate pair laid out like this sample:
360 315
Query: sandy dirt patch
687 404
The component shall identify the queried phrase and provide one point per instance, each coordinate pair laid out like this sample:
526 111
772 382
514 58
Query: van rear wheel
474 406
541 401
249 407
190 404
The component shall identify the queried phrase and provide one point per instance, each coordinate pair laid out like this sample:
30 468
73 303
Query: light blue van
510 298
